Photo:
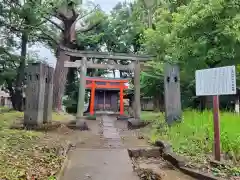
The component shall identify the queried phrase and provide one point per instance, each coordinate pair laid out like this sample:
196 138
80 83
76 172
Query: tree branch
12 2
47 37
10 26
54 23
80 17
88 28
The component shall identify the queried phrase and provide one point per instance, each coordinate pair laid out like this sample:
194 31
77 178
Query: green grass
22 153
194 136
4 109
61 116
151 116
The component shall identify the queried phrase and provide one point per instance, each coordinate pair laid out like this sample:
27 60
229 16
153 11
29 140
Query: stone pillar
173 111
35 90
82 88
48 98
137 102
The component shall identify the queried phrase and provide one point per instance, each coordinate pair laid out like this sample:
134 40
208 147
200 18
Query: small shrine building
105 93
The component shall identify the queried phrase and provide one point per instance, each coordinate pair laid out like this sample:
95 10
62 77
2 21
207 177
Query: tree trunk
121 73
114 73
156 102
60 78
60 74
11 92
17 96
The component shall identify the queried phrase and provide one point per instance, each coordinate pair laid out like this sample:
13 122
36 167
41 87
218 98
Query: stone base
145 152
136 123
43 127
82 125
122 117
78 124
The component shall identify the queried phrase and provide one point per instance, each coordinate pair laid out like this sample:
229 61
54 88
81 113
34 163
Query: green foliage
152 81
124 29
196 35
150 116
20 23
194 136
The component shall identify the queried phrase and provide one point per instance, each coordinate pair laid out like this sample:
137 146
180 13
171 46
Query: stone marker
35 90
173 111
48 98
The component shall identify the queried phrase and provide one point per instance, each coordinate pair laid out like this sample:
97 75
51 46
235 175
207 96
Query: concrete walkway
110 163
104 164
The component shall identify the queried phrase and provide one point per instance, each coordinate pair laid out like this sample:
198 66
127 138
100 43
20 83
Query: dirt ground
93 139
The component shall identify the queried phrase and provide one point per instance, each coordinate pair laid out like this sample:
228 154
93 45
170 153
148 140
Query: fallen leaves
27 155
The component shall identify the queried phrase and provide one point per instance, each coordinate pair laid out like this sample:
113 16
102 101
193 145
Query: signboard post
216 124
215 82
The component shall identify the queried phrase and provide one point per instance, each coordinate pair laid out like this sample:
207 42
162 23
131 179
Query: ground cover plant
193 137
23 154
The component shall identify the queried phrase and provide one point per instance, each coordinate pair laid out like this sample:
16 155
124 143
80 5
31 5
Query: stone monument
48 98
39 90
173 110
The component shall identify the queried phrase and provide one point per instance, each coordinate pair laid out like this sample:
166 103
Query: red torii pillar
92 97
121 99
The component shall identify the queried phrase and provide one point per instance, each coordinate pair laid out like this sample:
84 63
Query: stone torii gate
83 64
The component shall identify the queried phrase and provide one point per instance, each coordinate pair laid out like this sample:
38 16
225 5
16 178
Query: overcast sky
46 54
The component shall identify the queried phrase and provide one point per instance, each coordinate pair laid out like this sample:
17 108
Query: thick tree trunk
17 95
60 77
60 74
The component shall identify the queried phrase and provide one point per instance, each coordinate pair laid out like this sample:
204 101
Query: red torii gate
106 84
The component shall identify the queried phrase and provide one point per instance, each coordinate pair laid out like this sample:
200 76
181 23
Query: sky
46 54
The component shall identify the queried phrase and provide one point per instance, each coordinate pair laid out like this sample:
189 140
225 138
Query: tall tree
91 40
69 15
197 35
21 19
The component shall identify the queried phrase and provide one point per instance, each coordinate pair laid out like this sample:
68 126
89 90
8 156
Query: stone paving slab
101 164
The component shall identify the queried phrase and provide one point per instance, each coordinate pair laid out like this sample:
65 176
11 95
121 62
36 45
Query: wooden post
217 151
92 98
82 88
121 99
173 111
137 87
